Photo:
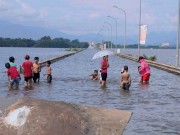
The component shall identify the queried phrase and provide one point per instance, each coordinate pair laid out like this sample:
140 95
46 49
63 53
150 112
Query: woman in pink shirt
144 70
104 67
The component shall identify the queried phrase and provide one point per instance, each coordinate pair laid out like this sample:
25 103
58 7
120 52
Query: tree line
44 42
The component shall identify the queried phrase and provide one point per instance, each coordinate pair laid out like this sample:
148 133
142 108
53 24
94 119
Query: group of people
31 72
125 78
102 76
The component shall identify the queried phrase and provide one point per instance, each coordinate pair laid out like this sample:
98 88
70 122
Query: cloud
27 11
94 15
4 5
80 16
20 12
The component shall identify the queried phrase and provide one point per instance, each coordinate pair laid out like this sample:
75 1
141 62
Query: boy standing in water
13 76
48 72
125 79
28 71
12 60
36 69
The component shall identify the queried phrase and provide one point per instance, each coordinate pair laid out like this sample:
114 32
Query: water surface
155 107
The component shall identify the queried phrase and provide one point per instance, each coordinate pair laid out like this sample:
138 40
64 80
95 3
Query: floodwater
155 107
167 56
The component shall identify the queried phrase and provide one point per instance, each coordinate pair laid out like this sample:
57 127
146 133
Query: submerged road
162 66
155 106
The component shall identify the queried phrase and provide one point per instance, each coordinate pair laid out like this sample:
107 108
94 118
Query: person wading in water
104 67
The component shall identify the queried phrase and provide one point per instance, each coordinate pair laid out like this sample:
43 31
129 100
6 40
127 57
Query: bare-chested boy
36 70
125 79
48 72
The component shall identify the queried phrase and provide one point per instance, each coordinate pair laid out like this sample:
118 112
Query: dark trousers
36 77
49 78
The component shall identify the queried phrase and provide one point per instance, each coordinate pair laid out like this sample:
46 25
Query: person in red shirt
13 76
27 67
104 67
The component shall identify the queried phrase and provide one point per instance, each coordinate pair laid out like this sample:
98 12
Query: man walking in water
104 67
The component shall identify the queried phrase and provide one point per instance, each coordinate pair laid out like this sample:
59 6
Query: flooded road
155 107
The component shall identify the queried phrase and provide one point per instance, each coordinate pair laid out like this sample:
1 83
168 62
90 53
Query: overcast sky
87 16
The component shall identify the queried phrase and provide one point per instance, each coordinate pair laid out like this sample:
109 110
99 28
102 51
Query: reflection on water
155 106
144 86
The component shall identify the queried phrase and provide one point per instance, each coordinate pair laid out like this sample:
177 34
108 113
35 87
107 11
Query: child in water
125 80
36 70
121 82
27 67
48 72
12 61
95 75
100 78
13 76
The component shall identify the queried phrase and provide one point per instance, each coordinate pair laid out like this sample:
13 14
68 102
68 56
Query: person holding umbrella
104 67
104 64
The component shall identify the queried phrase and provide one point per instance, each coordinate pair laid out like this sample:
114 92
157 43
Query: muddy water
155 107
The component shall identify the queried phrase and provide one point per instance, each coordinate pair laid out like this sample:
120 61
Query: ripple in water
155 106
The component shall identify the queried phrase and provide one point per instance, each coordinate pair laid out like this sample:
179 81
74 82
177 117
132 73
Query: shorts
36 76
26 79
145 78
49 78
16 80
125 86
104 76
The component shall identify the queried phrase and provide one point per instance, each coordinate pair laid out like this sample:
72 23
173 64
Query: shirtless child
48 72
95 75
36 70
125 79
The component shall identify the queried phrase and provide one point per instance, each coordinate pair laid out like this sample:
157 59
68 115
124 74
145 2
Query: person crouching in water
13 76
27 67
48 72
125 80
36 70
95 75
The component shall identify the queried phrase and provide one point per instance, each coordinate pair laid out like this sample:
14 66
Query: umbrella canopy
101 54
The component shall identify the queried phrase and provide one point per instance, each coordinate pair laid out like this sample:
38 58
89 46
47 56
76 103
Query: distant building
101 47
165 45
91 45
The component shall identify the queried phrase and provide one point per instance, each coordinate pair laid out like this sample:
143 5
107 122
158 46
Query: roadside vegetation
152 58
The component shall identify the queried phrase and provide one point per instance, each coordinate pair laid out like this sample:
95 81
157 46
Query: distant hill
12 30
